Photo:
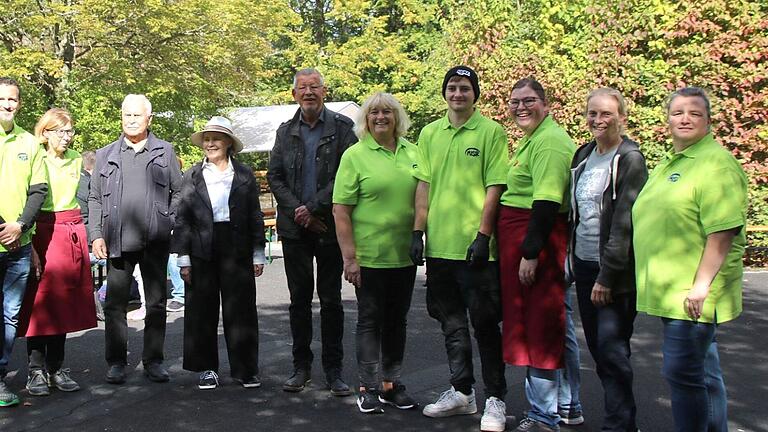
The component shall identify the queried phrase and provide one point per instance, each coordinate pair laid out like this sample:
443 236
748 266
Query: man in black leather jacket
302 170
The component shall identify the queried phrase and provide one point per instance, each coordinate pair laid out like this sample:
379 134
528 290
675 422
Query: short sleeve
722 199
497 165
550 165
39 173
347 184
423 169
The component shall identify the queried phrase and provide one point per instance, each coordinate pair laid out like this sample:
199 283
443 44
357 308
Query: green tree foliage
191 57
195 58
645 49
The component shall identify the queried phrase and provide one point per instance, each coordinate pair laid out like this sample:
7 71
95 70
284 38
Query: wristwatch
24 226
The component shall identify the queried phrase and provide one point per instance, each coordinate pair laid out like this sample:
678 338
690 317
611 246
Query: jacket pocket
159 223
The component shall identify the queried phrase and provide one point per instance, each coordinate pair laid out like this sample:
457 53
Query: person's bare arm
716 249
342 216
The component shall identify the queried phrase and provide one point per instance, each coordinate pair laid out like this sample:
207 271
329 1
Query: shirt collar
128 143
15 131
696 148
545 124
320 118
471 122
211 167
371 143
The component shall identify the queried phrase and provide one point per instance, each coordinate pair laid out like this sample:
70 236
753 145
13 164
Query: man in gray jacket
134 193
302 169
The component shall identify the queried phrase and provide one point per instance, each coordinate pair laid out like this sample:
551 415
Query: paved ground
179 406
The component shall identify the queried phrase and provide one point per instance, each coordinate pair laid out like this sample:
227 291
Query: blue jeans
14 271
692 369
541 388
569 379
177 292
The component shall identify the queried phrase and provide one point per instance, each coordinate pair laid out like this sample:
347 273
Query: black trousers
46 352
153 262
228 280
607 330
453 289
383 302
298 256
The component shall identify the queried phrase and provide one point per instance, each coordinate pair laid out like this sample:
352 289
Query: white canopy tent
256 126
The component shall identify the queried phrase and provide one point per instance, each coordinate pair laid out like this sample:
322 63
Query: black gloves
478 252
417 248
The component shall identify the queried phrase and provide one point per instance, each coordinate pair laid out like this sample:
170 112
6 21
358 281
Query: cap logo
463 72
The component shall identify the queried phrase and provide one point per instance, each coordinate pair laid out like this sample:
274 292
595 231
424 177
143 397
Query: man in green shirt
461 171
25 186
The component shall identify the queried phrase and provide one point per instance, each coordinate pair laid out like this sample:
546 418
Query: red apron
533 328
62 300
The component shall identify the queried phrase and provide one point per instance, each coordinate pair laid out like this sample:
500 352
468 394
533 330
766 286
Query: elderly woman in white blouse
219 236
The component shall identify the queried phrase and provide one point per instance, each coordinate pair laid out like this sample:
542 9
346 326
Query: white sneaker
451 403
495 416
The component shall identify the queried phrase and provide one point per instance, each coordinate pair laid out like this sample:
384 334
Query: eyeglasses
312 88
61 133
527 102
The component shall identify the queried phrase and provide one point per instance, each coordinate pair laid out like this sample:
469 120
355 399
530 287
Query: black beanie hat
466 72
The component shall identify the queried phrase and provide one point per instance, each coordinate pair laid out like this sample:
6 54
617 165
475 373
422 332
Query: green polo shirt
688 196
63 179
21 165
459 164
380 185
540 168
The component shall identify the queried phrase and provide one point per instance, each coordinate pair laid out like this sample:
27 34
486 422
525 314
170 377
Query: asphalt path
140 405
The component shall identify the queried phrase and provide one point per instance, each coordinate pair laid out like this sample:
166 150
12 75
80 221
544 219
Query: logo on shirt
472 152
415 166
23 157
674 177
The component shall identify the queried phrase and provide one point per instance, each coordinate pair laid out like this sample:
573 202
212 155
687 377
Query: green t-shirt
380 185
541 168
63 179
21 165
688 196
459 164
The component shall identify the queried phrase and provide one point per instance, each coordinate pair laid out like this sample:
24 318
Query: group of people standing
503 238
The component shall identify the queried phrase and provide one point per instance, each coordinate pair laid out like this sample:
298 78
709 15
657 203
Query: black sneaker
37 383
156 372
570 416
398 398
368 402
208 380
7 397
252 382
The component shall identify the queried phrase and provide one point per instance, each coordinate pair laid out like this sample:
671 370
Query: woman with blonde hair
59 299
607 175
373 211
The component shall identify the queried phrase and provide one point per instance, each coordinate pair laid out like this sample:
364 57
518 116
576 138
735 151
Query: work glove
417 248
478 252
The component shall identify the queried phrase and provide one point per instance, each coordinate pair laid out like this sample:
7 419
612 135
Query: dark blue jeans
14 271
692 369
608 330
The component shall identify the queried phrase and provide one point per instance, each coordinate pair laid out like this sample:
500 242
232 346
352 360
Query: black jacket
284 175
164 185
627 175
193 232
